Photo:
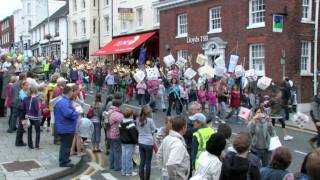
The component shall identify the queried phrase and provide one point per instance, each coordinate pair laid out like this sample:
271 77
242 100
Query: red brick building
244 27
7 33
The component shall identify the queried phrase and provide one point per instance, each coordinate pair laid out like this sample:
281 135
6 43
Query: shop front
132 50
51 49
80 49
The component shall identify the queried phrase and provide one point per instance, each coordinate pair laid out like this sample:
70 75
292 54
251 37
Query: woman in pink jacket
113 135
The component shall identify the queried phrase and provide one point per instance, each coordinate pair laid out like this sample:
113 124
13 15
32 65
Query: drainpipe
99 30
315 57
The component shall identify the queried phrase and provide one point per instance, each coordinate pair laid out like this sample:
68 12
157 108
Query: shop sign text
197 39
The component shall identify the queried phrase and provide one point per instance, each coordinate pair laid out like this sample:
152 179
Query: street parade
140 106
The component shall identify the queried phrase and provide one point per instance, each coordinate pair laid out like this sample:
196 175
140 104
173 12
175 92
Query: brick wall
235 19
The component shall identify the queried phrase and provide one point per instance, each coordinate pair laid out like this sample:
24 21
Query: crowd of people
194 143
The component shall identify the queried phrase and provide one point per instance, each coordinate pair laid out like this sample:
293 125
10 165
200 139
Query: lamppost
48 36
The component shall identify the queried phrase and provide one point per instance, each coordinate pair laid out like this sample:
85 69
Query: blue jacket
74 75
65 116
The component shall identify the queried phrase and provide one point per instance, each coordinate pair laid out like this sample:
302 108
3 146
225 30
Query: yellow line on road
89 169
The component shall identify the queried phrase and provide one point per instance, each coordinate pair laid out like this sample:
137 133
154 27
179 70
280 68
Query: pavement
22 163
28 164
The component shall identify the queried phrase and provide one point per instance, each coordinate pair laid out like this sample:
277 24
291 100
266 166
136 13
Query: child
161 93
96 119
141 88
128 137
45 114
185 94
235 103
123 87
212 102
193 94
129 90
202 95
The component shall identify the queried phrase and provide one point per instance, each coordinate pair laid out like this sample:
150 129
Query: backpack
90 113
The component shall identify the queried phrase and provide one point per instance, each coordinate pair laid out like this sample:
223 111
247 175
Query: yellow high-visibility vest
202 136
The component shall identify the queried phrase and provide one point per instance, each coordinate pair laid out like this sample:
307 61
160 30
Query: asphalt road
299 147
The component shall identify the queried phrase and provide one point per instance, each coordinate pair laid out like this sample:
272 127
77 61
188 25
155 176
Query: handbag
274 142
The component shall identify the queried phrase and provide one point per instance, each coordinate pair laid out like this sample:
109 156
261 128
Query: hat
61 80
198 117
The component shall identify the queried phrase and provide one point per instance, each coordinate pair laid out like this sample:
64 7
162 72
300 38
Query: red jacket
45 111
235 101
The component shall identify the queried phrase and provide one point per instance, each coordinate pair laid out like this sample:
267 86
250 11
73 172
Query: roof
60 13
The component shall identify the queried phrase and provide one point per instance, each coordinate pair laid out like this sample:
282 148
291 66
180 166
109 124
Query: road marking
85 177
300 152
234 133
108 176
132 106
96 166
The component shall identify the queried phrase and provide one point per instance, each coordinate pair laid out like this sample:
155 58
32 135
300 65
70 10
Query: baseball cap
61 79
198 117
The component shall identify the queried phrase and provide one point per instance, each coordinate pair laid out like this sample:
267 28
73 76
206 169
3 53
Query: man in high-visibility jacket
200 137
46 67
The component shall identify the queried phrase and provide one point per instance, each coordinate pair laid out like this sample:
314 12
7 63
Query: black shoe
20 145
67 165
30 147
9 131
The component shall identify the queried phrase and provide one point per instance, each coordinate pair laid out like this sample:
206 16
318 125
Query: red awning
123 44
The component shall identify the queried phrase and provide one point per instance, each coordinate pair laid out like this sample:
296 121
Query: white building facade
50 39
141 16
84 28
31 14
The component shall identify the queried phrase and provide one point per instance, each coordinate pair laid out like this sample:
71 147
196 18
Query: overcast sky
8 6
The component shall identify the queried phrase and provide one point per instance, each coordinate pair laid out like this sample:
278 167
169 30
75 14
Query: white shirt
209 166
19 67
6 65
173 152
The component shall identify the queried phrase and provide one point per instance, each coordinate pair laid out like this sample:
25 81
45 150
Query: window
257 58
106 24
306 10
83 4
215 20
74 5
124 26
256 13
106 2
305 57
29 25
183 25
29 8
139 12
39 33
84 30
156 17
183 54
94 3
56 27
94 26
75 28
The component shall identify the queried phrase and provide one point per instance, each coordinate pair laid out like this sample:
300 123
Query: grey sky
8 6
